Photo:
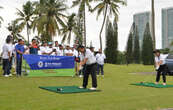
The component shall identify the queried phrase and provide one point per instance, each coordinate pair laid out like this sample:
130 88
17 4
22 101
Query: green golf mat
152 85
67 89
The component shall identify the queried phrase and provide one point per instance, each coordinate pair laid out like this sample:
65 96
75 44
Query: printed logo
40 64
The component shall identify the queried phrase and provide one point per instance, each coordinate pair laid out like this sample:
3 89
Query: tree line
135 53
49 18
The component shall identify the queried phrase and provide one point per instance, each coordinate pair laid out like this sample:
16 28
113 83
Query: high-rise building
167 27
140 21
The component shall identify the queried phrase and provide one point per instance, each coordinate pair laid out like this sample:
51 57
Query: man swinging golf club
160 66
90 61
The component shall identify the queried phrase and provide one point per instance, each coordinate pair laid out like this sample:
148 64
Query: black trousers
19 66
6 66
90 69
161 70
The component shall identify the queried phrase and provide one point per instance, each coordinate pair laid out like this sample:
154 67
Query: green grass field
117 93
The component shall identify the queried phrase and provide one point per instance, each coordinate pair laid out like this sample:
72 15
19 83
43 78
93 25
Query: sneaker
6 75
81 87
156 83
98 75
164 84
10 75
103 76
93 88
80 76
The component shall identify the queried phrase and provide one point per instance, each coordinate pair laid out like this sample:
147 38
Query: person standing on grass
100 57
56 46
68 51
6 56
33 47
61 51
160 64
19 52
90 61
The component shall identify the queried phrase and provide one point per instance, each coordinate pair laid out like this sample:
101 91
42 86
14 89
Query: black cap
92 47
156 51
80 46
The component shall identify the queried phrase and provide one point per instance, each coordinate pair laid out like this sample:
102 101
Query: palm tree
82 7
153 24
14 29
1 19
25 17
106 6
70 28
49 17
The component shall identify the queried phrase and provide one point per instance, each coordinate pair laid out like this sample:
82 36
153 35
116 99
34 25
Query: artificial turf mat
67 89
152 85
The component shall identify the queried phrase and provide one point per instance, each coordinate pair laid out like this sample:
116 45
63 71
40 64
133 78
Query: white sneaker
10 75
156 83
164 84
93 88
81 87
6 75
80 76
103 76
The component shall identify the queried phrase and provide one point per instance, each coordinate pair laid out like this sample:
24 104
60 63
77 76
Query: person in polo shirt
90 61
19 52
160 65
60 52
33 47
68 51
100 57
6 56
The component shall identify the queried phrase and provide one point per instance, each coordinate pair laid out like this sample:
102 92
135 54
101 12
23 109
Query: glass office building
167 27
140 20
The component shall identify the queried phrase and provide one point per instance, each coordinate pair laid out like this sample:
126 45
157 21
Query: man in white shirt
56 47
100 57
45 49
75 52
60 52
90 61
160 64
6 56
68 51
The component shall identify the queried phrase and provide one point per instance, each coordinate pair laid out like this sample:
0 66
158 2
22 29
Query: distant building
140 20
167 27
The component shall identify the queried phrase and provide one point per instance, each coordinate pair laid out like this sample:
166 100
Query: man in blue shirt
19 51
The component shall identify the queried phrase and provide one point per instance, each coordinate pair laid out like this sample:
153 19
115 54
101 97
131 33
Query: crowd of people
12 54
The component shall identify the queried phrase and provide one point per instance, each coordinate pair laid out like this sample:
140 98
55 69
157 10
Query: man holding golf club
160 64
90 61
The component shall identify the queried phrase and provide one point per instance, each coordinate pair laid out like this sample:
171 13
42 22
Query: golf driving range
116 93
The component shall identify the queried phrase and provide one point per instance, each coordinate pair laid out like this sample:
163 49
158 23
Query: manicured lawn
117 93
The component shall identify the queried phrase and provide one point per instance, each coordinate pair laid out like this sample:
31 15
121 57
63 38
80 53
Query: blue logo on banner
37 62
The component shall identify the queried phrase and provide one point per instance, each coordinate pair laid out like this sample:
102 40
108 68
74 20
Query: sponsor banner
38 62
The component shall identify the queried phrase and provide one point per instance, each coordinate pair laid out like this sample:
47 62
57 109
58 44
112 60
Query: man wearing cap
90 61
160 64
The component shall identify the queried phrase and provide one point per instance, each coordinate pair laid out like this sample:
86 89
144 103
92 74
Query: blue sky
93 25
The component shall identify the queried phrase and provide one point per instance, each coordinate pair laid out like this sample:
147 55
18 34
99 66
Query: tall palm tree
105 6
1 19
49 17
71 27
153 24
14 29
25 17
82 8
